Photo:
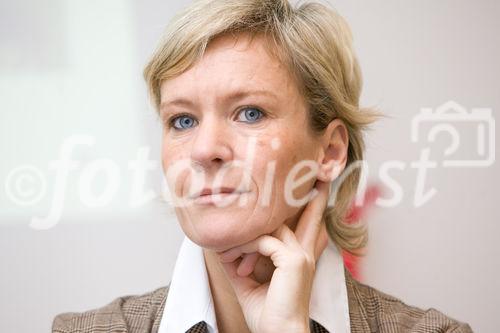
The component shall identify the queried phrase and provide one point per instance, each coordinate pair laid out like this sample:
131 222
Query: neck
228 311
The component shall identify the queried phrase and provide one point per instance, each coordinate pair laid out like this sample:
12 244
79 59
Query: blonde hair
316 45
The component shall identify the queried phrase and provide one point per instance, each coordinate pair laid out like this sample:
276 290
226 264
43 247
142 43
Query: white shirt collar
190 301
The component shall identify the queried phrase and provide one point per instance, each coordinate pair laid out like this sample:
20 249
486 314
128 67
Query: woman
260 106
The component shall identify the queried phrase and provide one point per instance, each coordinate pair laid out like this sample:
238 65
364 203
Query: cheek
291 164
175 168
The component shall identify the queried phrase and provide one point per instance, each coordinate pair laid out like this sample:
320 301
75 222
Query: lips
219 190
217 196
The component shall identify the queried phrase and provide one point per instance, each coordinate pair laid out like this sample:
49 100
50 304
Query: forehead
233 62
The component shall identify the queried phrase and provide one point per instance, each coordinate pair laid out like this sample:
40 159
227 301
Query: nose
211 147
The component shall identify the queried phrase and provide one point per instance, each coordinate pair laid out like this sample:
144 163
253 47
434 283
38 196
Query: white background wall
74 67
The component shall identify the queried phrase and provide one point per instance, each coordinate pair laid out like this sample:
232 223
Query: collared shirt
190 301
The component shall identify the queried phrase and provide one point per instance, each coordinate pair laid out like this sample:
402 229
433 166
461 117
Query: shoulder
376 311
130 314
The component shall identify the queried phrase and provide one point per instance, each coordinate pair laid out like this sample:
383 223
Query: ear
332 157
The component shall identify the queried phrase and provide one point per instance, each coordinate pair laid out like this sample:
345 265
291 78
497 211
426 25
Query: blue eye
183 122
250 115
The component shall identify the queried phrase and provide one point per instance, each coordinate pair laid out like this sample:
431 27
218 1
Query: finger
311 219
242 285
248 263
265 245
321 243
285 234
288 237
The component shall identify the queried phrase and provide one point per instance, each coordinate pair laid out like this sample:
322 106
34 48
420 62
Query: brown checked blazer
370 311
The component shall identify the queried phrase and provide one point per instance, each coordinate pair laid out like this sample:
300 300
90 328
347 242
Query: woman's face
237 121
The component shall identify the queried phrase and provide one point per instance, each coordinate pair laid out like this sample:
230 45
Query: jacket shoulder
126 314
374 310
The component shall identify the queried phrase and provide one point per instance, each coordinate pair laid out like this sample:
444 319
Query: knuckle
266 238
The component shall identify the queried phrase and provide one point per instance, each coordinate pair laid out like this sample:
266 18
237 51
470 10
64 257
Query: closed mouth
221 191
224 199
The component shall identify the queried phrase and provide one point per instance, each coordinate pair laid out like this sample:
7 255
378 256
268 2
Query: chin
218 234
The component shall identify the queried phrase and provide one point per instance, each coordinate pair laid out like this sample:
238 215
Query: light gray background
74 67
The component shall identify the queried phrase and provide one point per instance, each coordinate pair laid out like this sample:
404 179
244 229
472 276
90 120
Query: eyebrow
232 96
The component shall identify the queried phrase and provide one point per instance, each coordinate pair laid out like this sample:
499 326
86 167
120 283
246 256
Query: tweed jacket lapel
142 314
369 309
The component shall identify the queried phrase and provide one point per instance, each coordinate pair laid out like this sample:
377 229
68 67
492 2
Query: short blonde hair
316 45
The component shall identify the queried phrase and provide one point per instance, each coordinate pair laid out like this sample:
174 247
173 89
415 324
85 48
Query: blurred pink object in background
351 261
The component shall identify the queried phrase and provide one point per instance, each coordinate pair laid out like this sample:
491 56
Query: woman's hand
281 305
